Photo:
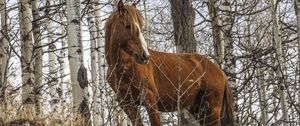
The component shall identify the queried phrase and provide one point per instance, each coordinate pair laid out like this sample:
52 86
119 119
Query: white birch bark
52 60
279 74
261 88
61 60
3 51
28 99
74 50
100 44
75 55
94 62
38 58
102 68
100 41
297 11
216 33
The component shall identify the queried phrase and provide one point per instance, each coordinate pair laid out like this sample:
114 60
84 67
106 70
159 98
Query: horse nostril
145 56
136 56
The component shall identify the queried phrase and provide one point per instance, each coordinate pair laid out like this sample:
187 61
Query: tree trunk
278 64
297 11
261 88
75 55
55 90
3 51
94 62
28 99
38 58
101 97
183 17
61 60
216 33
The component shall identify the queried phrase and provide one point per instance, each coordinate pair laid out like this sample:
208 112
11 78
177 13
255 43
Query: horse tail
227 117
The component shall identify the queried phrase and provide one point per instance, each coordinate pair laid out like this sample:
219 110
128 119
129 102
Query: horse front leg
132 112
151 105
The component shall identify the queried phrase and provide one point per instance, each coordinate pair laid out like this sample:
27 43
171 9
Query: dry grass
24 116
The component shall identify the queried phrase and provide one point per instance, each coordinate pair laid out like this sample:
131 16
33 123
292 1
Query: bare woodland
53 69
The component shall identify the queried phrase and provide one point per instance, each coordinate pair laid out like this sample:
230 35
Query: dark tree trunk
183 17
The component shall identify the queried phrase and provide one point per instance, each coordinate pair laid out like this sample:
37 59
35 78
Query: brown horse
161 82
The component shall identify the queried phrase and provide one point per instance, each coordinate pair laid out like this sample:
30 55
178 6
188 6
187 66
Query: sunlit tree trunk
28 99
297 11
94 61
75 54
278 64
100 97
61 60
183 17
38 57
216 33
55 90
93 45
274 102
261 88
3 51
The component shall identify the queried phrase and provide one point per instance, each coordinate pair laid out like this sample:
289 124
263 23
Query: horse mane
131 15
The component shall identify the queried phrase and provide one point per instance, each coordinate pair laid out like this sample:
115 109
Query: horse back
188 73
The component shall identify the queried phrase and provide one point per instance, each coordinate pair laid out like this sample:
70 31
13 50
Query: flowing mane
130 13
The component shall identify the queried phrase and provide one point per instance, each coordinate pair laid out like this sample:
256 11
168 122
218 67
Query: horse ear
134 5
121 7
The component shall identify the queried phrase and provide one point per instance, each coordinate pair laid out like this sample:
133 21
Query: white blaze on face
142 40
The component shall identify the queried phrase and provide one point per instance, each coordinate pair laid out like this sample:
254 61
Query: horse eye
128 27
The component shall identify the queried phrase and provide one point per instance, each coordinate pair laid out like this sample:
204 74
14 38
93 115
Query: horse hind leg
198 109
215 104
206 110
195 108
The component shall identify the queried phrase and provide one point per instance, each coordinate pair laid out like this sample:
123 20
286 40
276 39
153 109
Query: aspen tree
38 57
28 99
3 51
78 72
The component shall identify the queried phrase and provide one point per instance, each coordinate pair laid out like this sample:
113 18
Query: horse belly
168 102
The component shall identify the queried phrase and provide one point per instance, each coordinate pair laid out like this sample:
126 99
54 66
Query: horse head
125 30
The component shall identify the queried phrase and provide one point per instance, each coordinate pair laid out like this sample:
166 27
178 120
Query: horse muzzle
141 58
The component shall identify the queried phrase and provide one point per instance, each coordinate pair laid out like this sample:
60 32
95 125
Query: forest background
46 45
